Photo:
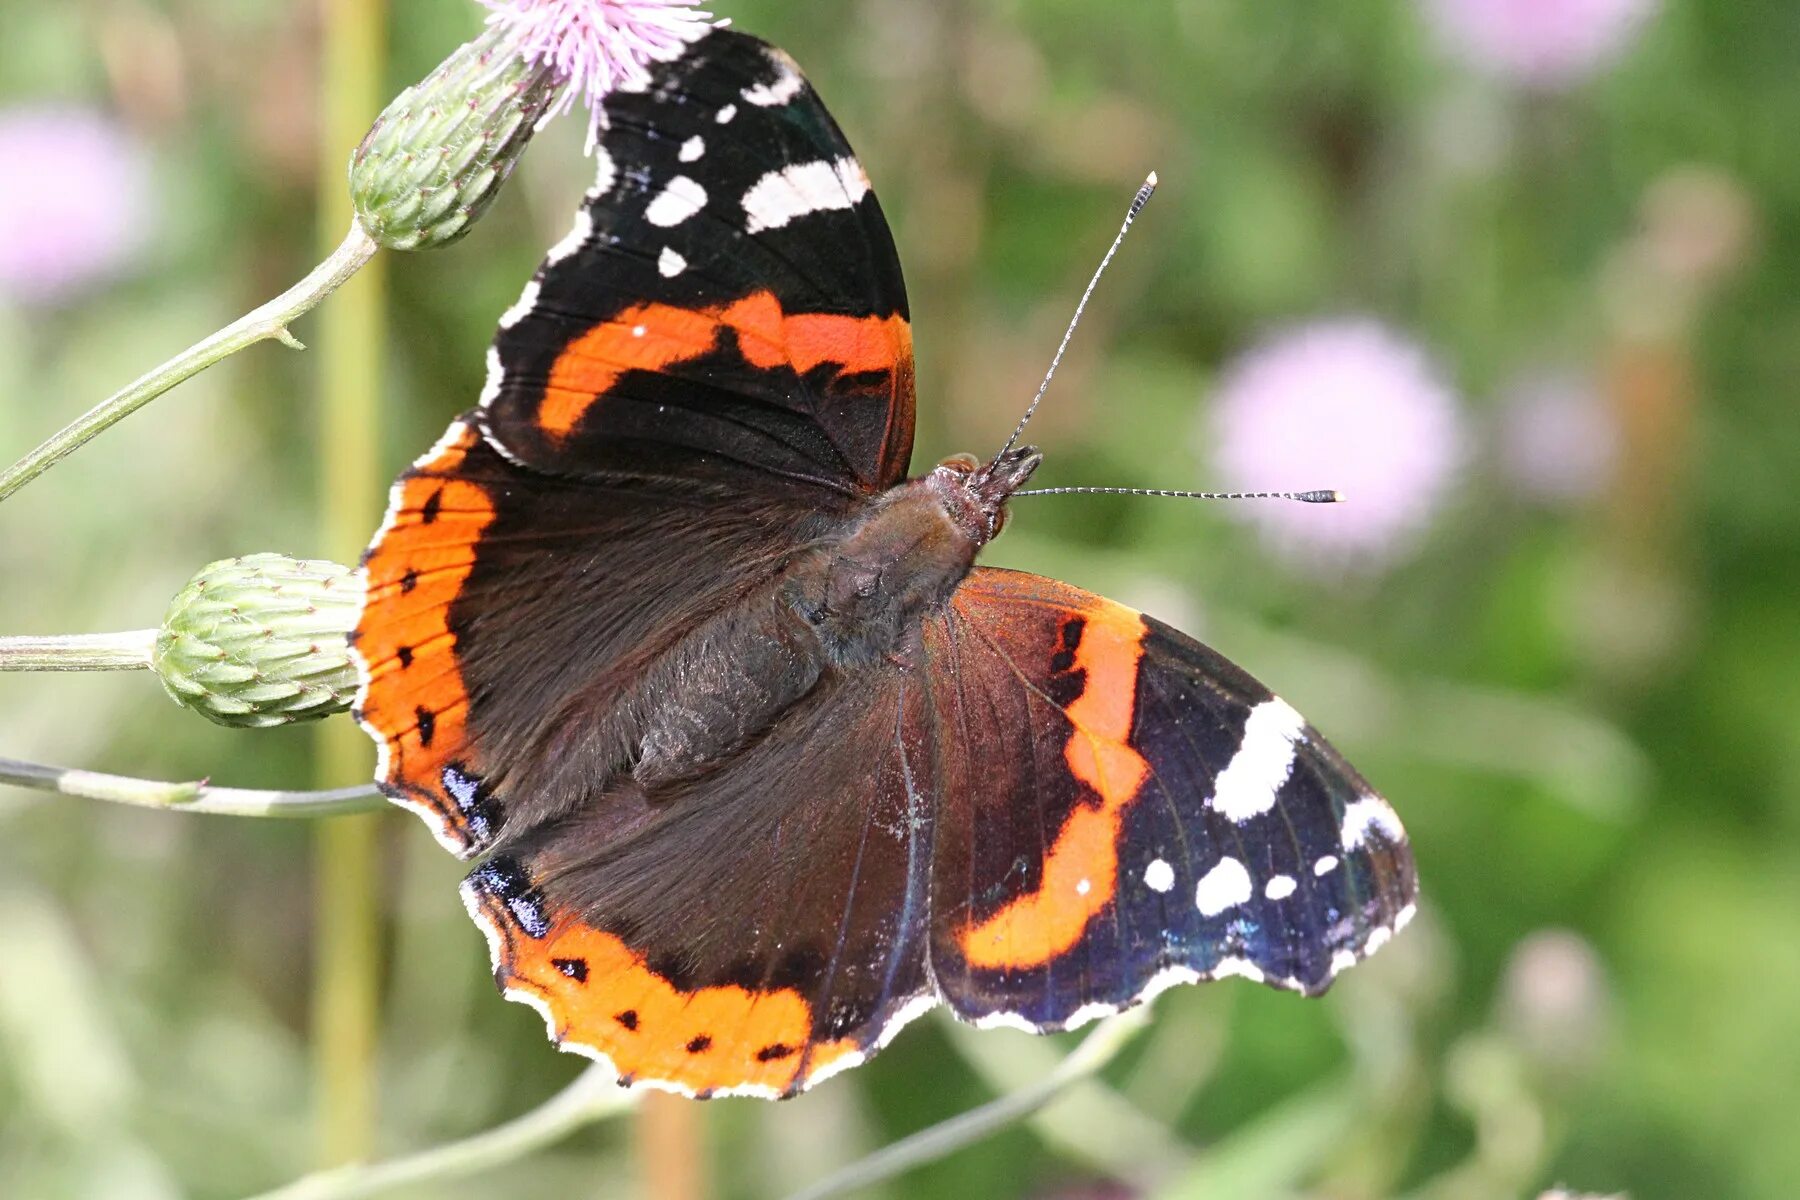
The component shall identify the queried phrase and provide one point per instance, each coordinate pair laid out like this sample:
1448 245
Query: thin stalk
593 1096
193 797
671 1150
269 321
346 947
947 1137
79 652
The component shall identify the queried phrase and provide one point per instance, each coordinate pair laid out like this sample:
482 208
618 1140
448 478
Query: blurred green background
1574 666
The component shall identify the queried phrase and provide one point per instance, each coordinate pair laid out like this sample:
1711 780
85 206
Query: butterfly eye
868 587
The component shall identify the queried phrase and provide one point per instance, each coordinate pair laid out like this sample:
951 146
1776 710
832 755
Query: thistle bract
437 156
261 641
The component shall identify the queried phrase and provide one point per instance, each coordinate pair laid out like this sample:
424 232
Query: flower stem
346 854
593 1096
947 1137
79 652
195 797
269 321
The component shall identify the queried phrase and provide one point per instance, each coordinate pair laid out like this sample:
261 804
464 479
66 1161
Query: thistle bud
261 641
436 157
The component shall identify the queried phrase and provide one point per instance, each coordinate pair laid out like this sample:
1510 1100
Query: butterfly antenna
1324 496
1137 205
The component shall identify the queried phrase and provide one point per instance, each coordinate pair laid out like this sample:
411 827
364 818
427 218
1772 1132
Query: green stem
195 797
347 909
269 321
593 1095
79 652
947 1137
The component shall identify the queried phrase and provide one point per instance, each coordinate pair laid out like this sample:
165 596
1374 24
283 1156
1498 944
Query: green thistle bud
261 641
435 159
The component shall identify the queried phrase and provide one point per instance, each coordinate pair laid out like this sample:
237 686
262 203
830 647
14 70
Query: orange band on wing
415 700
654 337
600 996
1081 869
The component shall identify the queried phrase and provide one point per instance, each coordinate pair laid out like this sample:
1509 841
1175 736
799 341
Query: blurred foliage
1586 711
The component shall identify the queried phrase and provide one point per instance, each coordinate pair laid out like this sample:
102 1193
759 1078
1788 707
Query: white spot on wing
1326 865
1343 960
639 330
793 192
1280 887
1159 876
606 173
1083 887
676 203
693 148
726 113
1246 787
670 264
1225 886
786 86
574 239
1369 813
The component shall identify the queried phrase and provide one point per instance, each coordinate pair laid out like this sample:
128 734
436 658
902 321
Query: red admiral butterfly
761 766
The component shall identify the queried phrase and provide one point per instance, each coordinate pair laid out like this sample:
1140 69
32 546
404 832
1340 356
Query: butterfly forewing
1124 808
729 302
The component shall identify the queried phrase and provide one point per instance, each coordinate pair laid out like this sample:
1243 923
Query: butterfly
757 763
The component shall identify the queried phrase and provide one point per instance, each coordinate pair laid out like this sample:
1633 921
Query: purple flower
1540 44
1345 404
1558 440
598 46
74 210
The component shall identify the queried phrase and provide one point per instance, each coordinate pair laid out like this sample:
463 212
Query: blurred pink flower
1554 1000
1542 44
75 208
1345 404
597 46
1557 437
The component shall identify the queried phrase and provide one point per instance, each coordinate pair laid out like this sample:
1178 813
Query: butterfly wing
754 930
1120 808
651 442
729 302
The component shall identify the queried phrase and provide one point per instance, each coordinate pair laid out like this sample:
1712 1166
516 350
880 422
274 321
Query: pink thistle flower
1346 404
598 46
1558 439
73 211
1537 44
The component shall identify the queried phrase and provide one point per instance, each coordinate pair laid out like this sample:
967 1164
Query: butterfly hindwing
729 302
752 930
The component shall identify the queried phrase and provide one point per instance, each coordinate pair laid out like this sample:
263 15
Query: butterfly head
975 493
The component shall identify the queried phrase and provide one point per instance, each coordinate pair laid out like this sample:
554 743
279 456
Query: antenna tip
1151 180
1326 496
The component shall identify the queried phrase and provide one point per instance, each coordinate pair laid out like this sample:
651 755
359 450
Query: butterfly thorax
867 595
854 602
